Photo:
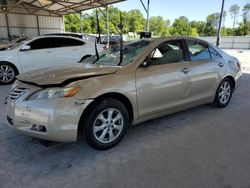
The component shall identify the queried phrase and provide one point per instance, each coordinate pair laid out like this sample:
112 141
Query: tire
8 73
224 93
106 124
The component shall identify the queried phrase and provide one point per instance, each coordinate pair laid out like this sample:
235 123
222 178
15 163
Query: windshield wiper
97 38
121 40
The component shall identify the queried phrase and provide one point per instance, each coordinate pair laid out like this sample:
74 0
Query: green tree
159 26
235 10
181 27
246 18
200 27
224 15
72 23
212 24
136 21
194 32
246 12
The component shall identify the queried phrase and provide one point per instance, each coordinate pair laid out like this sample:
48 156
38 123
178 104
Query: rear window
214 53
67 42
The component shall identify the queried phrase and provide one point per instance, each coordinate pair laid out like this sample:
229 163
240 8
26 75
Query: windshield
112 55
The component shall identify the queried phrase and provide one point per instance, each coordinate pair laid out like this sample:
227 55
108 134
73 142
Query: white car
42 52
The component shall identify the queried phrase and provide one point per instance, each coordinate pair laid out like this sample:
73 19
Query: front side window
198 51
169 52
42 43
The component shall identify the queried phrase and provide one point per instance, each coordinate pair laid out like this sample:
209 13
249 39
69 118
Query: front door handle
185 70
220 64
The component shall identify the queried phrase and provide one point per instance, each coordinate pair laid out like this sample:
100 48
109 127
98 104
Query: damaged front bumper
54 120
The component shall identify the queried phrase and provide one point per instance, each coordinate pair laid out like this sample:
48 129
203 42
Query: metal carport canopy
54 7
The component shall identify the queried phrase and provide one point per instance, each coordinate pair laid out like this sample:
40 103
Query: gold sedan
104 94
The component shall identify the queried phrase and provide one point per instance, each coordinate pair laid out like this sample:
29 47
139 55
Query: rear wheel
106 124
7 73
224 93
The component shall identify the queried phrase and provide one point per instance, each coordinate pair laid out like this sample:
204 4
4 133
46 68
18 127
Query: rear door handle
220 64
185 70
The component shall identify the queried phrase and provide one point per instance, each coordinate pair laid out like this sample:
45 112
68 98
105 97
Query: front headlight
52 93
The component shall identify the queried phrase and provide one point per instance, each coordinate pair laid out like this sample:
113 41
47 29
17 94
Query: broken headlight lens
52 93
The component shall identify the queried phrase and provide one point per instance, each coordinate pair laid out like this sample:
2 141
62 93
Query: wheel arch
231 78
11 64
111 95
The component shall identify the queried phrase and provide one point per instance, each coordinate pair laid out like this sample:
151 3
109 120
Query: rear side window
42 43
67 42
214 53
198 51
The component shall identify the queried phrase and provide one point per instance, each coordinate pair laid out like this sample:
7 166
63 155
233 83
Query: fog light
38 128
42 128
34 127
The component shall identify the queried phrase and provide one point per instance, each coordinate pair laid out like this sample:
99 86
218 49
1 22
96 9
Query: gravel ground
200 147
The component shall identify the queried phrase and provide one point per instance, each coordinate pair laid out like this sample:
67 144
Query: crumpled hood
55 75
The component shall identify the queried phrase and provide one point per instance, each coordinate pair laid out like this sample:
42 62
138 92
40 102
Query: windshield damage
111 56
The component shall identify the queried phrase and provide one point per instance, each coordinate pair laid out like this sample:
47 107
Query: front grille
17 92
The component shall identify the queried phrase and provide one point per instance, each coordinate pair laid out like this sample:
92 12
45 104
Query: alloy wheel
7 73
225 92
108 125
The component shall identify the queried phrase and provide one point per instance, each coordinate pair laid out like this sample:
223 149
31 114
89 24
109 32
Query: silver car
108 92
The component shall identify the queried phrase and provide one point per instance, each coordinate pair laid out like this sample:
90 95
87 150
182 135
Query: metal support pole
81 22
148 16
38 25
219 28
98 27
7 25
147 11
107 23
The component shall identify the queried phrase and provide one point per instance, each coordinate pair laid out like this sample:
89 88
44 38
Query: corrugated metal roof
53 7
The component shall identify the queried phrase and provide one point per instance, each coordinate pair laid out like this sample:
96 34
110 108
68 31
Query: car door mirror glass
25 48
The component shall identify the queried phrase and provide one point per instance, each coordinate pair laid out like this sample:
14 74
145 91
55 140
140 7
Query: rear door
162 85
205 70
69 50
40 55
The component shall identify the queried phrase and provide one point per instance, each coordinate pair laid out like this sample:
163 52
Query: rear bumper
238 79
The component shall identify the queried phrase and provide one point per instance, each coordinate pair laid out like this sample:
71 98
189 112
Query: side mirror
25 48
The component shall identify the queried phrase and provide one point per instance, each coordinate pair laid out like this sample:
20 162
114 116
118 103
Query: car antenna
121 39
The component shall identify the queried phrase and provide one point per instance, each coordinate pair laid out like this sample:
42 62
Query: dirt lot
200 147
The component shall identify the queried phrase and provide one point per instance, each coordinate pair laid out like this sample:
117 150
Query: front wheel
106 124
224 93
7 73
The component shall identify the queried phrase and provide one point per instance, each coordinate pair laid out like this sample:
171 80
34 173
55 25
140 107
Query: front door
163 84
41 55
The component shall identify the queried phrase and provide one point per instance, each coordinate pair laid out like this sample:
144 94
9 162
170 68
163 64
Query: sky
192 9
